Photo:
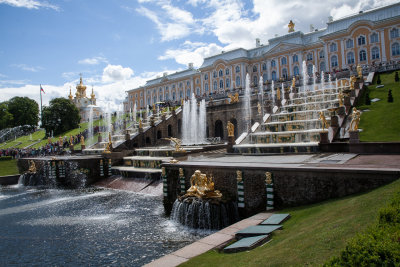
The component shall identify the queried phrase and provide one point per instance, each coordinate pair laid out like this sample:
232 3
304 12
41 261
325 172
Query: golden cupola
93 96
70 94
81 89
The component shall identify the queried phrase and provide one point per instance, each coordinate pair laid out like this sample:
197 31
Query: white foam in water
194 122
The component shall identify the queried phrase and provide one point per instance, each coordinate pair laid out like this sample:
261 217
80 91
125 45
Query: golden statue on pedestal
82 140
259 108
239 177
353 79
278 94
323 119
108 146
359 71
340 98
291 26
268 178
234 98
294 82
71 140
231 129
356 115
60 141
32 167
202 187
178 143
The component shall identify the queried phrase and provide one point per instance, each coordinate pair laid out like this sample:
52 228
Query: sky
119 44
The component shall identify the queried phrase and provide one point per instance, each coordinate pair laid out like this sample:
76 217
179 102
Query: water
194 122
305 75
88 227
247 104
90 126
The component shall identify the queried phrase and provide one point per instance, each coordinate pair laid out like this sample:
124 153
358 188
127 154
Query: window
363 55
228 83
160 90
141 94
322 66
394 33
273 74
310 69
265 77
296 70
141 102
295 58
283 61
215 85
188 92
349 43
395 49
227 71
264 66
237 69
197 81
181 94
321 54
237 81
187 83
374 38
255 80
375 53
334 61
309 56
273 64
206 87
285 74
173 86
160 98
221 84
198 91
350 58
220 73
180 85
361 40
166 97
254 68
206 76
333 47
215 74
148 101
173 96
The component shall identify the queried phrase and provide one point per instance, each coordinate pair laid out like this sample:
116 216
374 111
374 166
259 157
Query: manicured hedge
5 158
379 245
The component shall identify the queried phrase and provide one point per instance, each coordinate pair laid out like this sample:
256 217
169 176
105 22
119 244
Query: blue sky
119 44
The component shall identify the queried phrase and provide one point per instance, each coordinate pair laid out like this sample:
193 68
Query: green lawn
382 122
8 167
313 235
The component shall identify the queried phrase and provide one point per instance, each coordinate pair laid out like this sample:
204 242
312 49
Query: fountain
194 122
305 75
90 127
247 105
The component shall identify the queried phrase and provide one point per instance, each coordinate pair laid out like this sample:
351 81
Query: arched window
284 74
228 83
361 40
255 80
395 49
374 38
349 43
148 101
295 58
215 74
363 55
333 47
215 85
198 91
220 73
273 74
160 98
350 58
309 56
254 68
166 96
181 94
322 66
321 54
238 81
173 96
206 76
227 71
394 33
265 77
264 66
296 70
334 61
180 85
188 92
310 69
283 61
221 84
375 53
237 69
273 64
206 87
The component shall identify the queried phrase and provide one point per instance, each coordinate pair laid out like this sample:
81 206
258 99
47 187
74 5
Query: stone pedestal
141 130
99 138
324 137
152 121
83 147
71 148
341 111
354 137
231 142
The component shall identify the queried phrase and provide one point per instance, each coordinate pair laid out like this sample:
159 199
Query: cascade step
127 171
247 243
257 230
276 219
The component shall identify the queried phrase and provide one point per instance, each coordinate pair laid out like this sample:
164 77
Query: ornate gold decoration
181 172
294 82
177 142
231 129
70 94
173 161
239 176
234 98
32 167
202 186
291 26
140 124
92 94
82 140
341 99
163 171
323 119
80 89
108 146
71 140
356 115
259 108
359 71
268 177
278 94
353 79
60 141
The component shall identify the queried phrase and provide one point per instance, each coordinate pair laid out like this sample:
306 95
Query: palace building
367 38
84 103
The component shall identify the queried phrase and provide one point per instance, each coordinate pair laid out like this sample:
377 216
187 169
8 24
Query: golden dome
70 94
92 95
81 88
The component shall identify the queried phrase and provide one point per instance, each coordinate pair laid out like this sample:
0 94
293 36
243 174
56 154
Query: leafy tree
6 118
378 81
24 110
60 116
390 96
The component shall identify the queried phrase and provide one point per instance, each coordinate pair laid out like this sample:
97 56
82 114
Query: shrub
5 158
396 77
390 96
378 80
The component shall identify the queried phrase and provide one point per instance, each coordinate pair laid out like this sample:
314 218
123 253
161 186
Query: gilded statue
356 115
202 186
234 98
278 94
323 119
49 140
177 142
140 124
291 26
259 108
239 177
268 178
163 171
82 140
353 80
231 129
294 82
341 98
32 167
71 140
359 71
181 172
60 141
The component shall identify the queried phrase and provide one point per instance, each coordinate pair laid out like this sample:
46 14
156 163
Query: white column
342 51
383 45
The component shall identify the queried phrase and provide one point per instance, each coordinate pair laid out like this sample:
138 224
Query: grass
8 167
313 235
382 122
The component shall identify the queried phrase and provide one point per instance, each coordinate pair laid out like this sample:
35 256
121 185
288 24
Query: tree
60 116
390 97
6 118
396 77
24 110
378 80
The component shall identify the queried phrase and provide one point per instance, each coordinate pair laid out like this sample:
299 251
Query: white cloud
113 73
27 68
93 61
30 4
